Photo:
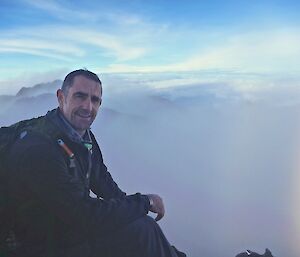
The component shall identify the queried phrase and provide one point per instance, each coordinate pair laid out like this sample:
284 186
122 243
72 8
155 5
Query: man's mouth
85 116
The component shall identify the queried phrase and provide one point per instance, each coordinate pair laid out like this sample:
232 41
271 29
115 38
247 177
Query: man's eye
80 96
96 99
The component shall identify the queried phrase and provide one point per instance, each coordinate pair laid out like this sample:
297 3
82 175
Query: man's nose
88 105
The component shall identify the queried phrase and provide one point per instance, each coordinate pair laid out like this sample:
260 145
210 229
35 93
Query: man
54 165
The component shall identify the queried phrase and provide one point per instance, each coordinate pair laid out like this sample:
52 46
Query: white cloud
34 52
58 10
29 78
113 44
122 18
57 50
262 51
62 12
45 5
121 35
70 42
130 44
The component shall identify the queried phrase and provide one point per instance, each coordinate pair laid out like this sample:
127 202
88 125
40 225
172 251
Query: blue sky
40 37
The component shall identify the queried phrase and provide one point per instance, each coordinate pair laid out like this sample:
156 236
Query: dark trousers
141 238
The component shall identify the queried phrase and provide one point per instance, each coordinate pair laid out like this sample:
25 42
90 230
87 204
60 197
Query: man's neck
69 125
81 133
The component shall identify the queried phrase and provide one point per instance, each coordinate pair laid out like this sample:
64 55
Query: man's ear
60 97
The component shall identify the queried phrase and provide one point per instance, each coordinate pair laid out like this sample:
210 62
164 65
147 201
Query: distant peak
40 88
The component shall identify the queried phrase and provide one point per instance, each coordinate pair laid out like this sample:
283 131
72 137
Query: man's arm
43 170
102 183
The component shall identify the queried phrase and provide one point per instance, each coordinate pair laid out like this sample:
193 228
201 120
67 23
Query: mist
222 156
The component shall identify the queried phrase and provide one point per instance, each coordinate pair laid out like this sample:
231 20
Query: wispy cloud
71 13
69 42
259 51
113 44
34 53
38 47
56 9
50 5
123 35
119 41
262 51
28 78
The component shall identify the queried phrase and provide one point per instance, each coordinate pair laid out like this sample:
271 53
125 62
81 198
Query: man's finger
159 217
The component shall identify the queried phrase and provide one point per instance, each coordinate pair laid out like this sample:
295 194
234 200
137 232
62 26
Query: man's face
81 104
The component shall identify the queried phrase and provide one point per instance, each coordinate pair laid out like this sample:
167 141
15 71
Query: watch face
151 202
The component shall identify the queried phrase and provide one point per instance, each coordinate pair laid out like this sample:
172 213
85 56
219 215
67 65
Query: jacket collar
61 122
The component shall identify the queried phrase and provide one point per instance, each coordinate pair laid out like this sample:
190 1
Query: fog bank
222 154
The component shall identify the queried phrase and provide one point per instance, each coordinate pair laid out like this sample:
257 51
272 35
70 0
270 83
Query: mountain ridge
40 88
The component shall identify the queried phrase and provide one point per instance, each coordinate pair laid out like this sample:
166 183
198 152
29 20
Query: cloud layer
224 162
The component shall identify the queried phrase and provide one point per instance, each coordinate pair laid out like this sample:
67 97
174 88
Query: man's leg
179 253
141 238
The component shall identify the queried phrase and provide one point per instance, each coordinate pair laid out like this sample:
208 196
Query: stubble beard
81 124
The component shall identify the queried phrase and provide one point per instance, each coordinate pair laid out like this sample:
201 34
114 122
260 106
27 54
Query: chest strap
68 152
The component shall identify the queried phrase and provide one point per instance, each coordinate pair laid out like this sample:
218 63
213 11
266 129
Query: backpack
8 135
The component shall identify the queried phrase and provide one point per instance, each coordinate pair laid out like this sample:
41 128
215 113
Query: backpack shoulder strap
41 126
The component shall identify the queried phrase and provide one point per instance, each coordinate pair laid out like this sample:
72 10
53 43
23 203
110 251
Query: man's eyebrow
80 93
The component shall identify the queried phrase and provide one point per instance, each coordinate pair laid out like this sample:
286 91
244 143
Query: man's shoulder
27 140
34 132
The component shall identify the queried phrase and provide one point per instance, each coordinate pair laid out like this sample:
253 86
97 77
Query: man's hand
156 206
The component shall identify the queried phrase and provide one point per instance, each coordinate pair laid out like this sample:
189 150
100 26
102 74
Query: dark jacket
54 212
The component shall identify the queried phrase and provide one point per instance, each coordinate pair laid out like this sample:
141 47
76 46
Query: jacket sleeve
102 183
43 170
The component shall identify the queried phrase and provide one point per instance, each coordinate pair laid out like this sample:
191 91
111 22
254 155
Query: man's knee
142 228
146 222
141 238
